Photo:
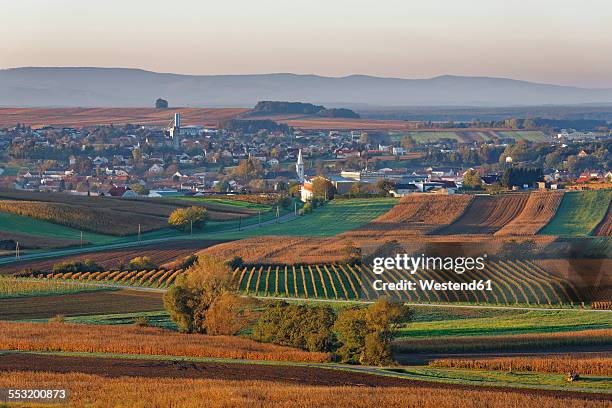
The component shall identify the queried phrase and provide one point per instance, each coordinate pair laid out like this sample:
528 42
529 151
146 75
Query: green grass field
157 319
579 213
530 135
333 218
27 225
502 378
227 202
437 322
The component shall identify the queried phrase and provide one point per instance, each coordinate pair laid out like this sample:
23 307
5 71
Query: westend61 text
404 285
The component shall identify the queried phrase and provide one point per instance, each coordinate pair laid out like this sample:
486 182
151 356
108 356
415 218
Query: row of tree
204 300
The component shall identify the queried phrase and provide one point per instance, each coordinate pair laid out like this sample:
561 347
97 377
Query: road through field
89 249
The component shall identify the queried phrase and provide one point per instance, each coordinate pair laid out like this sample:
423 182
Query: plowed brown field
79 117
415 214
488 214
604 229
538 211
592 276
111 259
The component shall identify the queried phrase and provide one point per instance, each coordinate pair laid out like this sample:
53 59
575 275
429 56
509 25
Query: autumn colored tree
323 188
193 294
187 218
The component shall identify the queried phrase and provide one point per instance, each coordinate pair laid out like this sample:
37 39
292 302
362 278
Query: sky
565 42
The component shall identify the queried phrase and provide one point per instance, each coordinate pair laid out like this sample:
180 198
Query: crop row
157 278
512 282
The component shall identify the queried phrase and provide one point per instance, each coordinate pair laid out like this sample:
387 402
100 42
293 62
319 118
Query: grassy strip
506 322
451 344
579 213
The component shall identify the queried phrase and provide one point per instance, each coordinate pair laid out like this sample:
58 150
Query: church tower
299 167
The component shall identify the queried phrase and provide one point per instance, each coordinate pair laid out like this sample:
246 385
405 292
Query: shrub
188 261
141 321
302 326
141 263
77 266
57 319
235 262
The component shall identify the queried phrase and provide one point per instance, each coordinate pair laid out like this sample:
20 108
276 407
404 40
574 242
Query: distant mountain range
122 87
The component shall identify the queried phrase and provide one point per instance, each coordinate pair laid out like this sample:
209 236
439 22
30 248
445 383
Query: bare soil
80 304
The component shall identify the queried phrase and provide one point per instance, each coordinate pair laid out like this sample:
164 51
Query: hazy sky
554 41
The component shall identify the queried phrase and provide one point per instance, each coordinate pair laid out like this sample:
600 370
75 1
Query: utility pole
191 227
277 213
259 219
138 232
81 239
295 208
17 254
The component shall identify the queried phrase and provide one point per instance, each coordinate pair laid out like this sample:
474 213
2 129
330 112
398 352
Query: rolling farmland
416 214
539 209
513 282
113 259
579 213
143 341
604 229
488 214
83 303
114 216
474 135
155 278
79 117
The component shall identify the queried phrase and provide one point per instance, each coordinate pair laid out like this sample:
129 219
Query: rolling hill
74 86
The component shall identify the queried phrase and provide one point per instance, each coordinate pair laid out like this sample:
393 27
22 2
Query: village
262 156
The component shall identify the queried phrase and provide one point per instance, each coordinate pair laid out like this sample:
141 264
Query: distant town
257 152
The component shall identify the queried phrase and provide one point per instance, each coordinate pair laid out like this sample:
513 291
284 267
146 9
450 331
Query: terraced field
488 214
512 282
579 213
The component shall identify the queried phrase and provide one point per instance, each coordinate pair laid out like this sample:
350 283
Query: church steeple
299 167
